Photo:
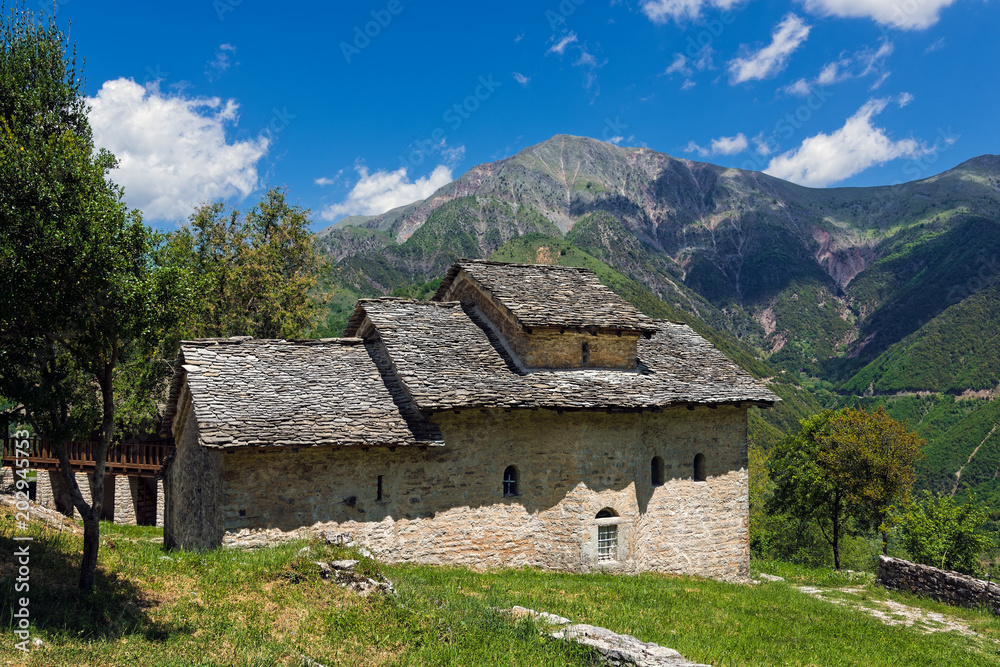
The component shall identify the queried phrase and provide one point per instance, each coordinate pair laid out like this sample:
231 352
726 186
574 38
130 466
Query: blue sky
358 109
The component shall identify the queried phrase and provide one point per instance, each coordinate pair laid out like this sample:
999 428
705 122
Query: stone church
526 416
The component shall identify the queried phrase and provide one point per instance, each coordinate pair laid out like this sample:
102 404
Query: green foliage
939 532
83 302
255 274
925 270
957 350
843 471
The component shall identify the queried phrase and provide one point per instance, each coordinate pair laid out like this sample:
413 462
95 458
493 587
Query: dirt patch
544 255
893 613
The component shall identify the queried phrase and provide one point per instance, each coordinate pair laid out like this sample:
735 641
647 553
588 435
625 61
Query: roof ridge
418 302
490 262
240 340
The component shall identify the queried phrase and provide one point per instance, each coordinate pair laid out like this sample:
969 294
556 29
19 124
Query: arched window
585 355
656 471
699 468
607 535
510 482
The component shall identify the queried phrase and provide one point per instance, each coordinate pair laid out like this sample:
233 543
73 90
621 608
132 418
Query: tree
844 471
939 532
256 274
81 299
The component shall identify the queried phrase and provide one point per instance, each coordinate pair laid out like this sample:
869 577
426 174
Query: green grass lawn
270 607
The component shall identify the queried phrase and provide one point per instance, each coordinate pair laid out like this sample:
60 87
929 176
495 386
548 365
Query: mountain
851 292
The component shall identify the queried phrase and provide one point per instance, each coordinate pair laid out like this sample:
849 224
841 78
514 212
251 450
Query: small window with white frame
607 535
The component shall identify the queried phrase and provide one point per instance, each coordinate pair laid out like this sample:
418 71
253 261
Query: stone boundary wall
943 585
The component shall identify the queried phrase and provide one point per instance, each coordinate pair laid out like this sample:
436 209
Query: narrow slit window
699 468
656 471
378 492
585 354
510 482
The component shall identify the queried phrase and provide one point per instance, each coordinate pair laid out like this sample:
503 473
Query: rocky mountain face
835 287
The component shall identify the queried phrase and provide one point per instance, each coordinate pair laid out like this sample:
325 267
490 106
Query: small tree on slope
844 471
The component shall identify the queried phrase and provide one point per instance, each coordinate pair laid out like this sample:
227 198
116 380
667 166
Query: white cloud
904 99
220 64
688 84
720 146
866 61
323 180
692 147
729 145
522 79
939 43
768 61
916 15
827 158
382 191
560 46
679 65
763 145
802 88
172 150
664 11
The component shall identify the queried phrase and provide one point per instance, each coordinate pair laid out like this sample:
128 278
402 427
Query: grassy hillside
957 350
270 607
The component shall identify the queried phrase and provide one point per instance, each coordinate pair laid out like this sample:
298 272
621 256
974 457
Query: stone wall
951 587
121 498
192 515
446 505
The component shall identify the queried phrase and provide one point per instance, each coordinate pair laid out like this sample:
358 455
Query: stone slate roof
543 295
420 357
447 358
254 392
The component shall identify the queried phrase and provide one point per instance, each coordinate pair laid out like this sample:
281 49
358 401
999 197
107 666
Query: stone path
615 649
894 613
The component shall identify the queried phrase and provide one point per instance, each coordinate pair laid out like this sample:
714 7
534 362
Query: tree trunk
91 544
92 523
836 532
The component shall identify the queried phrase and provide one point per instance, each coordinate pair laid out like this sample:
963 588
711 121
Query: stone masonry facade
446 505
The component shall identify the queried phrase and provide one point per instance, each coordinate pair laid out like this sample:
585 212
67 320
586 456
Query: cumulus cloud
172 150
664 11
381 191
720 146
827 158
768 61
904 15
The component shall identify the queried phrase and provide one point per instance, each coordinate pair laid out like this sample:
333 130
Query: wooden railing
134 458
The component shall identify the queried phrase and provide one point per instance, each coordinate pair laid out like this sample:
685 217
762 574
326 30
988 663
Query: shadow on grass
115 607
